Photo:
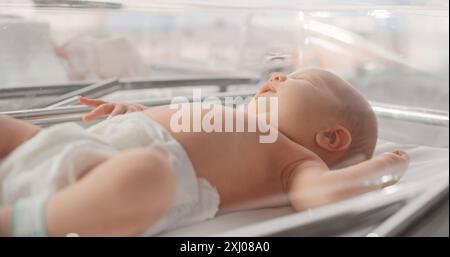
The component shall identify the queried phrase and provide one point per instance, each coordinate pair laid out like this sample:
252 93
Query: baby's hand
394 163
101 108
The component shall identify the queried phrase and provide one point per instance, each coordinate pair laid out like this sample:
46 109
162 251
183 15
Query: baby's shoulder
302 156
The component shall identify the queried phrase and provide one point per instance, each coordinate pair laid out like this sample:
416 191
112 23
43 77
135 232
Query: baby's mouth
265 89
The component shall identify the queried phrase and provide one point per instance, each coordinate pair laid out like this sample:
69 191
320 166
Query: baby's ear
334 139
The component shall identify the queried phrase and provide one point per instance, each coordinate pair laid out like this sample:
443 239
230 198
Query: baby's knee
157 162
150 171
161 171
146 188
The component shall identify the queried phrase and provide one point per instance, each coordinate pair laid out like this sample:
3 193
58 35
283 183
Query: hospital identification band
28 217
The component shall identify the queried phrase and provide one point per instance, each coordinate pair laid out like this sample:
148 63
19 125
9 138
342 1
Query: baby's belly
247 191
245 172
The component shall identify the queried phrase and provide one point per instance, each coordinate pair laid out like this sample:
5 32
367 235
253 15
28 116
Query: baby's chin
264 95
252 105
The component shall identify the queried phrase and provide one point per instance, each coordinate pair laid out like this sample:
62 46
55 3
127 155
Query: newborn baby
149 178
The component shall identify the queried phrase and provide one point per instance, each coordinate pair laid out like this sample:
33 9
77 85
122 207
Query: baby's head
324 113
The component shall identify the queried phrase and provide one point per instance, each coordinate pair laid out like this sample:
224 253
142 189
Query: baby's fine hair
356 113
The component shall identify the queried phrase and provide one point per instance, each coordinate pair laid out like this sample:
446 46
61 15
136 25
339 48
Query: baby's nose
278 77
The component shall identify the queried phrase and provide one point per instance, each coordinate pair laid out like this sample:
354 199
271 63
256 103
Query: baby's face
322 112
302 105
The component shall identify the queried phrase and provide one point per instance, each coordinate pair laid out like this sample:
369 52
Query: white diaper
57 156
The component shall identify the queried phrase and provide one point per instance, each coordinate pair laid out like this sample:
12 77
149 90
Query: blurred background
395 51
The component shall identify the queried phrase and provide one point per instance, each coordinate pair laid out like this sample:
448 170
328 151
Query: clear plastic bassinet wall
395 52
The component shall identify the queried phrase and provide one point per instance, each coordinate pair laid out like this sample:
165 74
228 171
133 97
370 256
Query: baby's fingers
135 108
119 109
101 110
401 154
132 108
395 161
93 103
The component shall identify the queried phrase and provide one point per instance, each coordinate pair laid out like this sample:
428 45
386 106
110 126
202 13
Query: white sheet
428 164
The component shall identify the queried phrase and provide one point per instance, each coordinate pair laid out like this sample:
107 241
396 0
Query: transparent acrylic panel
394 52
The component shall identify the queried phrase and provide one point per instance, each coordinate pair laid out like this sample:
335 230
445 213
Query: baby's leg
122 196
14 132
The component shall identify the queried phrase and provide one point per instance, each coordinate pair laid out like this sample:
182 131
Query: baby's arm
313 185
101 108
